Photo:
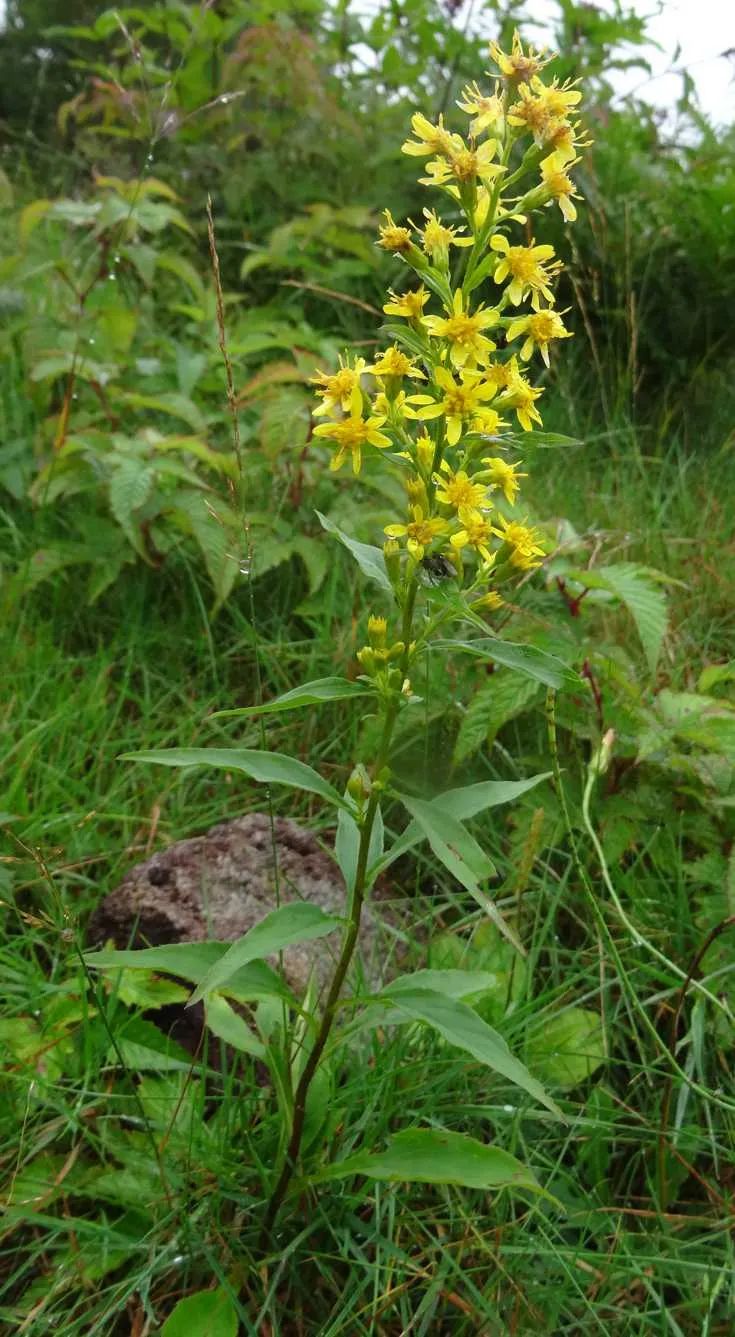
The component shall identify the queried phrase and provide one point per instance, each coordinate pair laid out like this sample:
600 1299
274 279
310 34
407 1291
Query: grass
128 1187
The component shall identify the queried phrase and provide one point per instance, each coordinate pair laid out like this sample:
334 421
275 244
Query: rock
220 884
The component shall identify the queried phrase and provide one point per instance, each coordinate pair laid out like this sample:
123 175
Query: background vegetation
132 610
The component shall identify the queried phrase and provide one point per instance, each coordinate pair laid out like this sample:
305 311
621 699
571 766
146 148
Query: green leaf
462 804
567 1048
143 1047
297 922
169 402
369 558
637 590
545 440
505 695
227 1024
313 554
268 768
460 1025
191 961
215 532
206 1314
461 856
472 799
429 1156
453 983
451 843
130 487
714 674
536 664
322 689
347 845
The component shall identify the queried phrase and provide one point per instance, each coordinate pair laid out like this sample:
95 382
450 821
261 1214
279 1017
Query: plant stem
349 942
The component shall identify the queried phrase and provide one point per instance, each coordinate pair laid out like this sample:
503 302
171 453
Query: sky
704 29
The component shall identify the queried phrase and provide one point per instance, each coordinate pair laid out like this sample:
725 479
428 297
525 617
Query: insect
437 568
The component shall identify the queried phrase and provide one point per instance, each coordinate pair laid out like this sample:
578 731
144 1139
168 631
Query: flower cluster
441 400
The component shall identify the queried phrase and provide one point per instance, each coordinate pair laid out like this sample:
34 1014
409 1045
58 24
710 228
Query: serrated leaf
645 602
429 1156
313 554
268 768
369 558
506 695
297 922
130 487
214 533
169 402
310 694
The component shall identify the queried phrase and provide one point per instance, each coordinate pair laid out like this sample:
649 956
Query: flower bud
366 657
602 756
392 557
358 786
377 631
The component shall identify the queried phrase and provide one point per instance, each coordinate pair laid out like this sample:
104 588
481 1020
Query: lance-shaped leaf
460 803
369 558
191 961
282 928
311 694
268 768
461 1026
431 1156
526 659
461 855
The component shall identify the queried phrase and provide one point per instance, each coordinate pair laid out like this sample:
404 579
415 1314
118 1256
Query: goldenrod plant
437 407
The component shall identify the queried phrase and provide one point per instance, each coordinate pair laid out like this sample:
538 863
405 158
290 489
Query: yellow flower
429 138
461 403
437 237
394 408
336 389
505 476
528 273
419 533
487 603
521 396
543 111
393 238
416 492
464 165
458 490
559 186
464 332
497 374
559 99
523 541
476 532
393 362
519 64
539 330
410 304
487 111
352 433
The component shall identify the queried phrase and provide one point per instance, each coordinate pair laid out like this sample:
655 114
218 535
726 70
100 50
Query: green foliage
138 1163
